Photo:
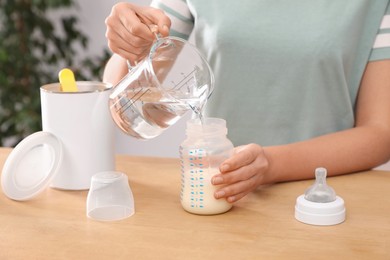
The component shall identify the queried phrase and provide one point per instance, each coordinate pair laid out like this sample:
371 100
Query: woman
301 85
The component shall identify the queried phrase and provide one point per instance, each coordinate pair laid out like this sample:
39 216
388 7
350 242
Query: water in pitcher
173 79
145 113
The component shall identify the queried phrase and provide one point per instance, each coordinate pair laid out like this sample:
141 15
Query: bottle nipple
320 191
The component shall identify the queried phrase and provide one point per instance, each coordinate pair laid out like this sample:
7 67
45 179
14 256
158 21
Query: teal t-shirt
285 71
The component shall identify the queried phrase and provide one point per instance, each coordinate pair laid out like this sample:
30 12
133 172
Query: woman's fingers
130 29
244 155
242 173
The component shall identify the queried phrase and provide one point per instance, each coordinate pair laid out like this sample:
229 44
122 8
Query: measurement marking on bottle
196 178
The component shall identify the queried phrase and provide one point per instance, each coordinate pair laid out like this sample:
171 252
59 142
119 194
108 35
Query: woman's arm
365 146
116 68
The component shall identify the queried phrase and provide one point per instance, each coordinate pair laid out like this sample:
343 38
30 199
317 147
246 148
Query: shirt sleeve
381 47
182 21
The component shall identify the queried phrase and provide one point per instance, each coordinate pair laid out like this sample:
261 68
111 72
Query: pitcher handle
154 29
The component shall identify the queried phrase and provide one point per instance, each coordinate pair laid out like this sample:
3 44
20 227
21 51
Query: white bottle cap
320 205
318 213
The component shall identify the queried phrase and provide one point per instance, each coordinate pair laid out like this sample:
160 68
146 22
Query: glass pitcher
173 79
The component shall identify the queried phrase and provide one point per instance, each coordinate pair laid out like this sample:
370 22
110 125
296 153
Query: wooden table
262 226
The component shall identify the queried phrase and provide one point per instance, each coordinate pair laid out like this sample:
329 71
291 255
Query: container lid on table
31 166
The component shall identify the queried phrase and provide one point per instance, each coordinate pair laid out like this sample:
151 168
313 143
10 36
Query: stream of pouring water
198 109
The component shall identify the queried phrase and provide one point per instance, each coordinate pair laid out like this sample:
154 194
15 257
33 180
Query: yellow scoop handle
67 80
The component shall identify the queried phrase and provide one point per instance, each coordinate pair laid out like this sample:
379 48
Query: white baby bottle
201 154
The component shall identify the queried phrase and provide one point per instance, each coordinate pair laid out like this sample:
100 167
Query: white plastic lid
319 213
31 166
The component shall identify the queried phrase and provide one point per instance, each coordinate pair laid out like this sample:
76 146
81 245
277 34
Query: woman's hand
130 29
242 173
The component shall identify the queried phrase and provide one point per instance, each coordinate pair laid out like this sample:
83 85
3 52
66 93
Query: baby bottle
201 154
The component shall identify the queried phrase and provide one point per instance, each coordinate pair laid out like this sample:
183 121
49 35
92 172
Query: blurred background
40 37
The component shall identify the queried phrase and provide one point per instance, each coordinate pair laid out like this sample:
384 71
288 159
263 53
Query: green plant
32 51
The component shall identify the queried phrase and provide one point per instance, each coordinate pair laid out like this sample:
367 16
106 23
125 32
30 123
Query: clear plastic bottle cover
205 148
